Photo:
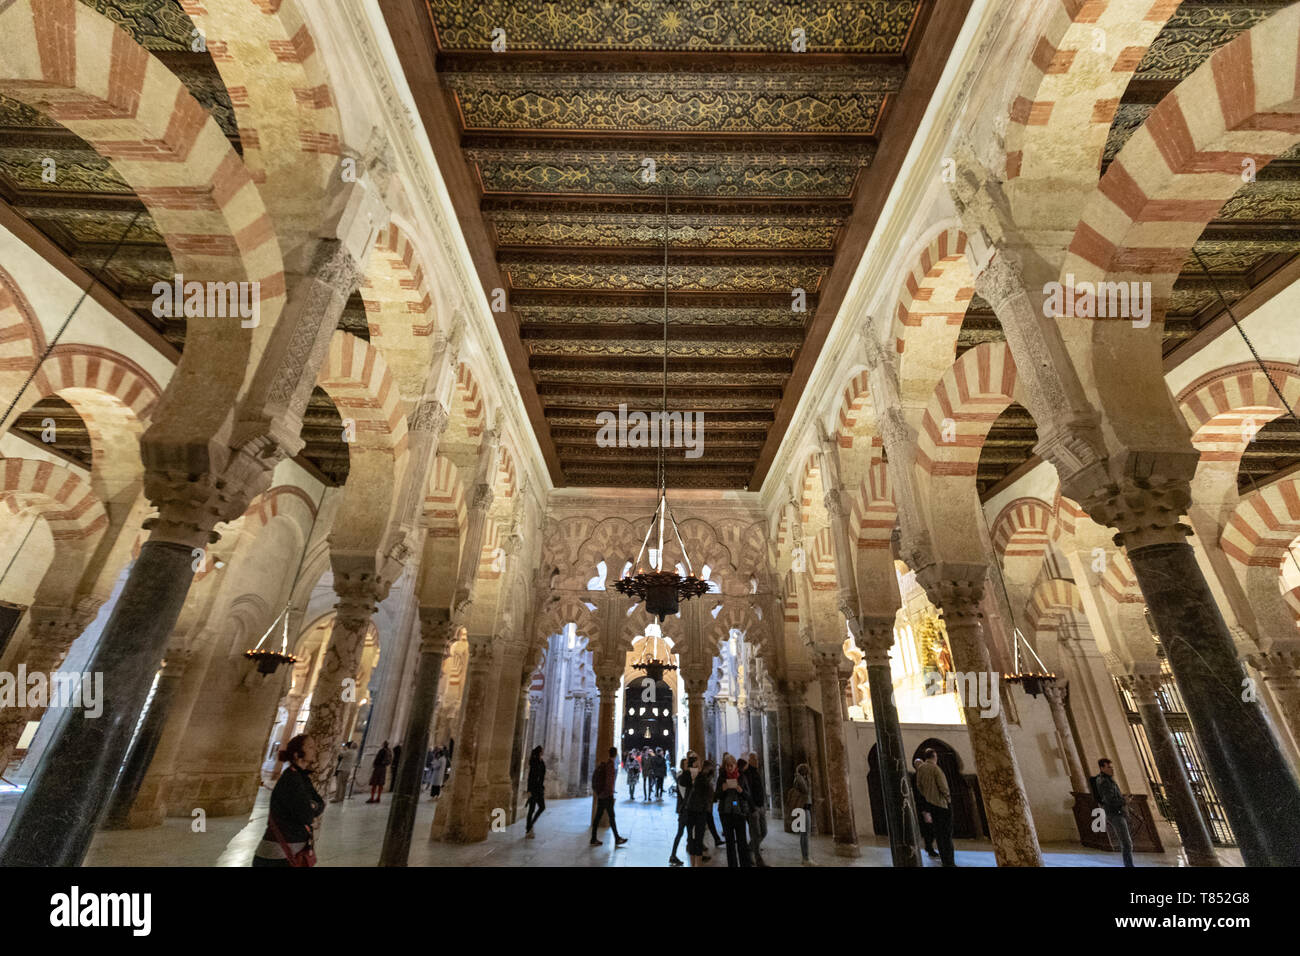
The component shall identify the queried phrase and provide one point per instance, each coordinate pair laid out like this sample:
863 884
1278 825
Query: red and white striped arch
1238 109
73 65
931 306
468 413
974 391
75 515
1084 56
444 500
1226 407
21 338
1051 600
399 307
1263 524
284 105
359 383
1024 528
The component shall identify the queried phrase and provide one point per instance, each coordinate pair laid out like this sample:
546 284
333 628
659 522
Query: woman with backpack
733 811
295 805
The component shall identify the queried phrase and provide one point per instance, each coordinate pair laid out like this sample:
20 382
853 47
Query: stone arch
855 405
115 397
74 514
73 65
1170 179
734 614
399 307
444 501
927 319
614 541
1023 530
568 609
468 410
964 406
1221 405
360 385
1051 600
288 122
1067 96
1256 541
21 339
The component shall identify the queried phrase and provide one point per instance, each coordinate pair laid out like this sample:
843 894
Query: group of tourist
736 786
651 766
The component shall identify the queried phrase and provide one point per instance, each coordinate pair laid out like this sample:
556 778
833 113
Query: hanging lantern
660 589
1034 682
650 663
268 659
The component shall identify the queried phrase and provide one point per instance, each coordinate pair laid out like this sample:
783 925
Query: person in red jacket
602 785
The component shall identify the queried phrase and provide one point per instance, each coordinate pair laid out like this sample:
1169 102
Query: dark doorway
968 819
648 719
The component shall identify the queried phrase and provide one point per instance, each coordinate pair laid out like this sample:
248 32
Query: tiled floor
352 834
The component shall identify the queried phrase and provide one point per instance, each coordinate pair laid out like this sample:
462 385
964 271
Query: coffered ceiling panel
757 121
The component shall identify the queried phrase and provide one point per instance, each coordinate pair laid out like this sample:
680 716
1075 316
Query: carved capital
834 506
956 588
483 497
190 504
874 638
436 631
429 417
1142 513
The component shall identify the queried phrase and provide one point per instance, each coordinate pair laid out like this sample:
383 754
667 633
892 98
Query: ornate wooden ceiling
571 137
55 184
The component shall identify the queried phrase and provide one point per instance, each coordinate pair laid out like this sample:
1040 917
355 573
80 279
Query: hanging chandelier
650 663
662 589
268 659
1035 682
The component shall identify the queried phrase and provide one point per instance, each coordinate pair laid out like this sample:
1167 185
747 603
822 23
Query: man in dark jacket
602 785
1112 801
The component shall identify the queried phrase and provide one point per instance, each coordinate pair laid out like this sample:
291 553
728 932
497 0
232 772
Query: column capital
955 588
1279 664
429 416
874 637
826 657
1143 511
359 593
437 632
190 506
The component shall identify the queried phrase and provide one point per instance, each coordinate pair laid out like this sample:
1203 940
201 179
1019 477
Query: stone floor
353 834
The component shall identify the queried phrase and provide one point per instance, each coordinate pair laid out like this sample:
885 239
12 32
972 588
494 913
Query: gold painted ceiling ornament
649 581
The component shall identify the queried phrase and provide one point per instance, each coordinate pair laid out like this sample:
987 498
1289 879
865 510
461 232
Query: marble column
56 818
1245 760
1280 669
51 631
711 730
607 681
1192 830
958 590
1055 695
453 825
696 716
359 593
874 639
573 749
827 658
495 797
436 635
141 755
519 746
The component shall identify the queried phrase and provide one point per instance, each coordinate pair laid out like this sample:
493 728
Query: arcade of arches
1015 393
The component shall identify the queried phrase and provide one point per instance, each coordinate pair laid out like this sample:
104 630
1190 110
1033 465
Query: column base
848 850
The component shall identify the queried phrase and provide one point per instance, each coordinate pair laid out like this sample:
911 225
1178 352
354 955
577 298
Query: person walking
633 764
437 772
661 772
733 811
379 773
699 809
757 807
933 786
923 815
343 771
1111 799
683 792
536 790
802 789
295 805
603 781
647 773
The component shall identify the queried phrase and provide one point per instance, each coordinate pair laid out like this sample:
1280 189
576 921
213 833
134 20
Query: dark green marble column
1259 792
436 634
56 818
